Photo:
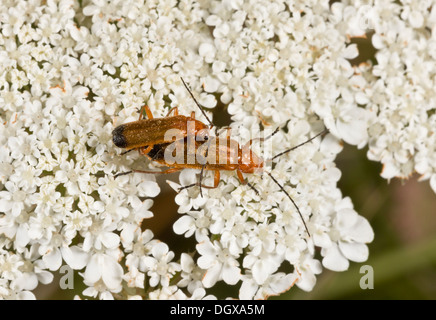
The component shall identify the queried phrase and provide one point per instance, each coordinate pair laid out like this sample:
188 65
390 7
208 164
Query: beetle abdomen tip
118 137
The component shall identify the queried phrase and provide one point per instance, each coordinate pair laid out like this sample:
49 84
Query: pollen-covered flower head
72 72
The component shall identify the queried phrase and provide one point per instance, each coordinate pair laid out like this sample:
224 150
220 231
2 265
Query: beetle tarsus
253 188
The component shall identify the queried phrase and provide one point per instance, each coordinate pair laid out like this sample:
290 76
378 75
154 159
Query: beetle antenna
122 174
198 105
303 143
295 205
187 187
204 166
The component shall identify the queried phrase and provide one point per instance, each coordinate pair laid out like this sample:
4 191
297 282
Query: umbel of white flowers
71 71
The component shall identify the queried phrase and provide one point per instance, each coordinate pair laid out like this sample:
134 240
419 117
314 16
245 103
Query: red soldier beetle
242 160
157 148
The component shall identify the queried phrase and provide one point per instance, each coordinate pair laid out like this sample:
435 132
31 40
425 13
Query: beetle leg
229 129
244 181
147 112
216 181
127 151
171 170
167 171
241 177
176 111
145 150
229 132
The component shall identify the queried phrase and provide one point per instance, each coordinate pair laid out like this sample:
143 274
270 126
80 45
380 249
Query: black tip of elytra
118 137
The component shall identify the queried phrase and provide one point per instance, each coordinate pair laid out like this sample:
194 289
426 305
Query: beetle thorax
249 161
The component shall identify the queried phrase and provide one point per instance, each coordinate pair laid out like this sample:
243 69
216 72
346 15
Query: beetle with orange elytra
148 132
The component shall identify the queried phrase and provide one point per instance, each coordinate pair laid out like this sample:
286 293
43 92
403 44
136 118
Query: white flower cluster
398 90
70 71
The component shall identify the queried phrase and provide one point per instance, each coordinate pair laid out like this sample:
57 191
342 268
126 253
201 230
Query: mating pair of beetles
147 135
